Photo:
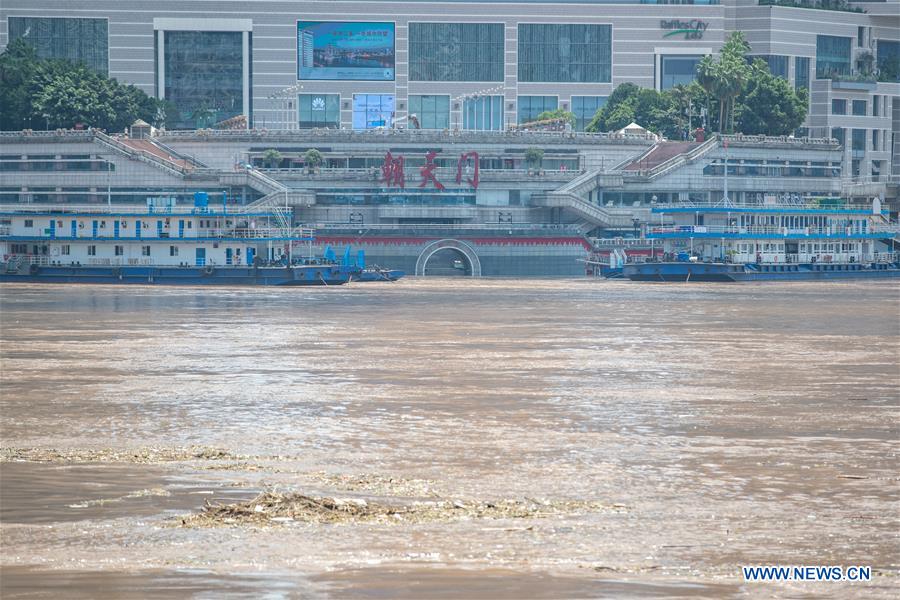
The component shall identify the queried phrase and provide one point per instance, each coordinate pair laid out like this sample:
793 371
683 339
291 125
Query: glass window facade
483 113
204 76
838 106
433 112
778 65
531 106
319 110
888 60
585 107
373 110
858 141
832 56
456 51
859 108
566 53
801 72
78 40
678 70
838 134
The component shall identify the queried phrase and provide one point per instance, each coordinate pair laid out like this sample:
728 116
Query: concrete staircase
572 198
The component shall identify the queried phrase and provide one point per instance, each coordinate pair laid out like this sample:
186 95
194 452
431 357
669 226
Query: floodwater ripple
734 424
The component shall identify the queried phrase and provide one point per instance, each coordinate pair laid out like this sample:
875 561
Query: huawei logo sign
318 104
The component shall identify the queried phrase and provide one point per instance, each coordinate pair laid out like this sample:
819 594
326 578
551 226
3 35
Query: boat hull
720 272
307 275
379 275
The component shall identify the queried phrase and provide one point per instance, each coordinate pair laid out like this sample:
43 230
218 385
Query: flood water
722 425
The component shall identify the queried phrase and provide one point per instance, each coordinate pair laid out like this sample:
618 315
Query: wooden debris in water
274 508
144 455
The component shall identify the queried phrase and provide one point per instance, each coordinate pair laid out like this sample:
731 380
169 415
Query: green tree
54 93
559 113
770 105
272 158
534 157
17 66
724 78
313 158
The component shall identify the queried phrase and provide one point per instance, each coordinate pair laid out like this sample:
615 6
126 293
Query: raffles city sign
691 30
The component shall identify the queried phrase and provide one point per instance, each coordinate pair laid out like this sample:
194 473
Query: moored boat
824 239
160 243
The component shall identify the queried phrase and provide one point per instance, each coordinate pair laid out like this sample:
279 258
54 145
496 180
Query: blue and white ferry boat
823 239
160 243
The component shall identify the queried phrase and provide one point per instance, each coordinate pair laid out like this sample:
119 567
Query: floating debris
145 455
377 484
275 508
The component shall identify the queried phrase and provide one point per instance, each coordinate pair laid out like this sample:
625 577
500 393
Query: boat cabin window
120 250
173 250
145 250
29 222
92 250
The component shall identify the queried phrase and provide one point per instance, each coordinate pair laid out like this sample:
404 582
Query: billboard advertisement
345 50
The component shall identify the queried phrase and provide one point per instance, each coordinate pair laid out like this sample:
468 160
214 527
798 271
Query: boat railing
27 259
128 209
252 233
768 258
773 230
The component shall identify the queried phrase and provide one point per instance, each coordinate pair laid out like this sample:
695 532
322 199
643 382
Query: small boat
378 274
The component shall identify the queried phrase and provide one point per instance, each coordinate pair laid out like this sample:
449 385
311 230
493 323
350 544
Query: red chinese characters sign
392 173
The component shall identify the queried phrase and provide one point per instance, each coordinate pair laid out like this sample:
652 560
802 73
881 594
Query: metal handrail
775 230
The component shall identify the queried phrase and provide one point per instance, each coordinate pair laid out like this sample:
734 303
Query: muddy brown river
542 439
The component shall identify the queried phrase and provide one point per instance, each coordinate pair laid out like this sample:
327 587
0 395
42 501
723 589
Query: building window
77 40
859 108
319 110
832 56
585 107
677 70
838 106
838 134
566 53
173 250
145 250
801 72
29 223
858 142
483 113
876 106
92 250
531 106
778 65
204 76
119 250
373 110
875 135
860 36
433 112
65 250
456 51
888 60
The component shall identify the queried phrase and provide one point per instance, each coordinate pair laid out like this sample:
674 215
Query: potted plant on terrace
313 158
533 158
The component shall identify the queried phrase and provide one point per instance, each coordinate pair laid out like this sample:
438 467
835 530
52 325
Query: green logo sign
691 30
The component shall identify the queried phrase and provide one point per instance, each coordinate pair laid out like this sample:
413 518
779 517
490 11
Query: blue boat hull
684 271
229 276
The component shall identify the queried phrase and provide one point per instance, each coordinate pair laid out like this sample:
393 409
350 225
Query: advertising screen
345 51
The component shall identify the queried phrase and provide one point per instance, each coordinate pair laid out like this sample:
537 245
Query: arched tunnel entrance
448 258
448 262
